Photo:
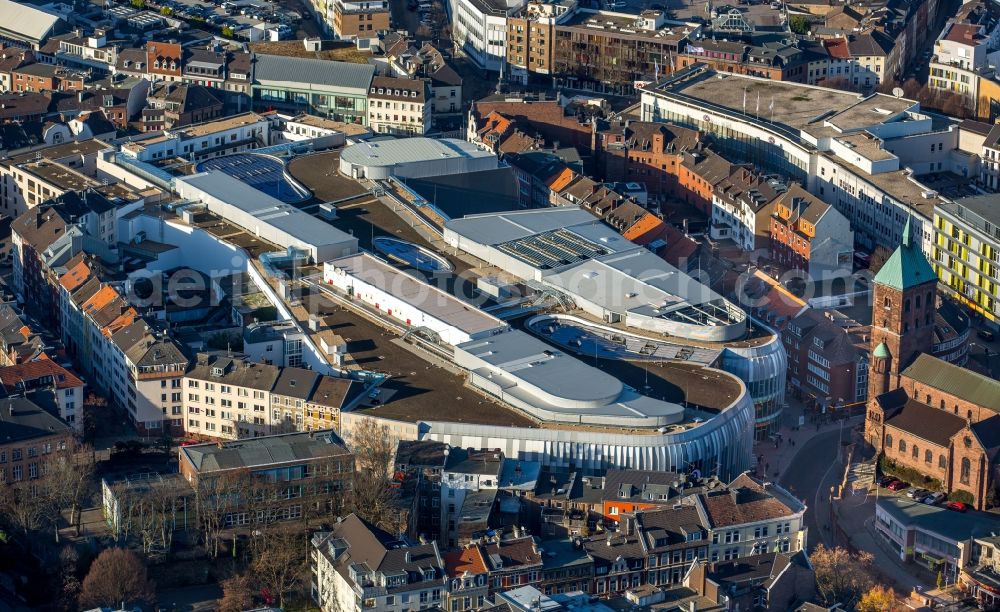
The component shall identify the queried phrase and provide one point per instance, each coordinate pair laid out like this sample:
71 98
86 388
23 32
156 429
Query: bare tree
117 576
237 594
280 559
217 499
25 508
69 477
840 576
372 498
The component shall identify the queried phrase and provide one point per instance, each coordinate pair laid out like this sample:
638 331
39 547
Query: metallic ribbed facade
721 445
762 369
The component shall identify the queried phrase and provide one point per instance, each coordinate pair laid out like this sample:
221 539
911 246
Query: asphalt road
814 466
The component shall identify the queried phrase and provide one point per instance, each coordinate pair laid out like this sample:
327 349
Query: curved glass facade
763 369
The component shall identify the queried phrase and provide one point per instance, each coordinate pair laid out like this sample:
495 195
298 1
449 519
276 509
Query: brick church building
924 413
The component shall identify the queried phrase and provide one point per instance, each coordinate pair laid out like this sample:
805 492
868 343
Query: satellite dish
897 91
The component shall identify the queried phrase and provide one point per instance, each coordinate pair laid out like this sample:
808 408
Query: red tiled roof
470 559
964 33
11 376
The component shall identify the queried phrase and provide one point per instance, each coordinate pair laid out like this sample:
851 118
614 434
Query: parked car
986 335
885 481
898 485
957 506
933 498
918 493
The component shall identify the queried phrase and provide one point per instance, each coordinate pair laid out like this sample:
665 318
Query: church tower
904 305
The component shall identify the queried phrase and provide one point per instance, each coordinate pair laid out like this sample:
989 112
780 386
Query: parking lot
290 15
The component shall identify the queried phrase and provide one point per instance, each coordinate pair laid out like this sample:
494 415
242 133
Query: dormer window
217 371
428 574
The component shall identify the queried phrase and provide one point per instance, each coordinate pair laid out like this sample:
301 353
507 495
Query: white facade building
479 28
409 300
266 217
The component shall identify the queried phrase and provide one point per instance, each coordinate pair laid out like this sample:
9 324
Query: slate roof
21 419
276 68
23 104
952 379
40 227
356 543
235 371
265 452
392 88
295 382
927 423
907 266
336 392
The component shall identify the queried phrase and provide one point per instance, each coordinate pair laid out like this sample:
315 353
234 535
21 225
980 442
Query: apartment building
479 28
232 397
357 566
430 63
778 60
608 52
227 397
968 44
751 516
30 437
646 152
45 77
399 106
48 384
966 251
360 18
809 235
742 204
149 378
530 34
175 105
827 358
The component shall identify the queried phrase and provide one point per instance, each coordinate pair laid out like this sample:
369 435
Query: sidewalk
773 457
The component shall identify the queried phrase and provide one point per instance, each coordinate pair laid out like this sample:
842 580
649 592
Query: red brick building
645 152
925 413
698 174
45 77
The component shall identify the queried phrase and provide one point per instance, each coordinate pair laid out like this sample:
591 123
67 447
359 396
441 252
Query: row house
18 342
430 64
780 60
172 105
742 205
12 58
809 235
399 106
231 397
149 369
38 77
357 566
646 152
